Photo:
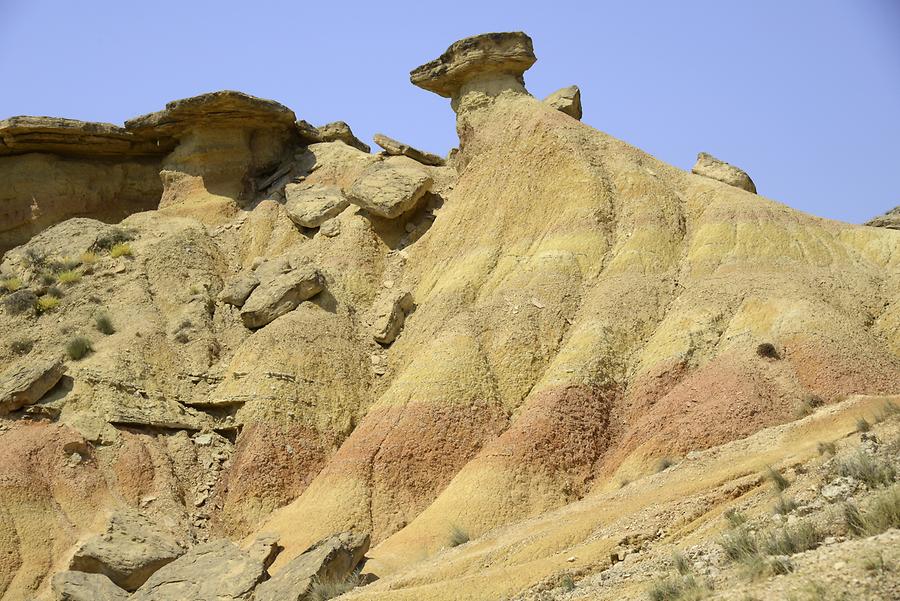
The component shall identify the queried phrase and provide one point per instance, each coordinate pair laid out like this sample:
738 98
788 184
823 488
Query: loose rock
273 299
389 314
393 147
239 288
709 166
79 586
566 100
312 205
389 190
28 381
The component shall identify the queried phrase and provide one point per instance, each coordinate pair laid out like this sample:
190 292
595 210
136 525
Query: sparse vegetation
113 237
20 301
34 257
10 284
766 553
78 347
21 346
69 277
779 482
45 304
873 471
47 278
767 350
792 539
888 410
735 518
567 583
863 425
324 589
682 564
664 464
677 588
882 513
875 563
104 324
89 258
826 448
458 536
55 292
784 505
120 250
809 404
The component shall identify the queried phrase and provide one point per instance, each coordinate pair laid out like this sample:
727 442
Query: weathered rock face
214 571
491 56
28 381
566 100
338 131
237 290
709 166
310 205
80 586
128 552
394 148
329 560
890 220
390 188
272 299
70 137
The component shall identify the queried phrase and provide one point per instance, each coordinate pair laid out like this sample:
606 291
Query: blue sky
803 94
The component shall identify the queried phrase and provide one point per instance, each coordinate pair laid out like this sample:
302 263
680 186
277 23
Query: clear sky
802 94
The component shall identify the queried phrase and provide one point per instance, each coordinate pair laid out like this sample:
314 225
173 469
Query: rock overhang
497 54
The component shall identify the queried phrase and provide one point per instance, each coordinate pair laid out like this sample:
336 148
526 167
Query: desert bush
767 350
735 518
458 536
863 425
69 277
21 346
882 514
682 564
873 471
826 448
47 278
779 482
55 292
809 404
104 324
324 589
739 544
10 284
19 301
78 347
888 410
45 304
789 540
35 258
875 562
784 505
567 583
120 250
113 237
677 588
664 464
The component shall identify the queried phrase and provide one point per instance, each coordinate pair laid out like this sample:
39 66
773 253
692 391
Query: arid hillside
529 370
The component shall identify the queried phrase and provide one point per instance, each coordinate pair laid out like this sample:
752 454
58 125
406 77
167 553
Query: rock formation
890 220
297 338
566 100
709 166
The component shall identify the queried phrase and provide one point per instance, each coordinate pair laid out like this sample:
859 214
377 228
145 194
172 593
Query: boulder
390 189
310 205
709 166
339 131
331 560
265 549
388 315
890 220
330 228
273 299
28 381
213 571
393 147
128 552
80 586
490 55
239 288
566 100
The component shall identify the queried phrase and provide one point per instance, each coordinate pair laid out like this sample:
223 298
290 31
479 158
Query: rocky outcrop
310 205
214 571
890 220
70 137
331 560
566 100
128 552
26 382
709 166
273 298
337 131
393 147
81 586
390 188
490 56
389 314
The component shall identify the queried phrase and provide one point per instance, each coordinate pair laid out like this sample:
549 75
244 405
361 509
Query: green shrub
11 284
47 278
19 301
120 250
78 347
112 237
21 346
45 304
458 536
735 518
682 564
784 505
792 539
882 514
89 258
567 583
104 324
677 588
778 481
863 425
873 471
69 277
767 350
739 544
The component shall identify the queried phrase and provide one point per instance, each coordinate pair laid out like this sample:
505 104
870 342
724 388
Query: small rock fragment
395 148
389 314
273 299
567 100
311 205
